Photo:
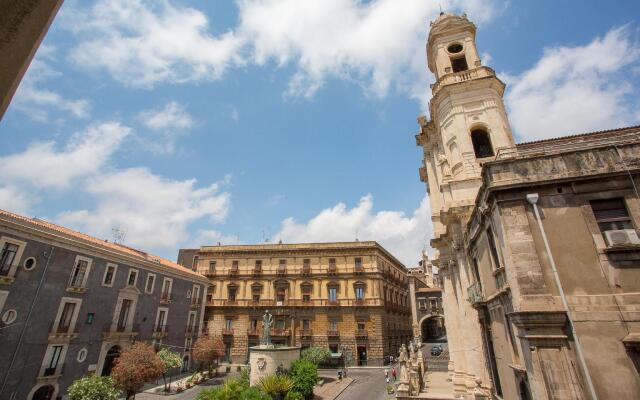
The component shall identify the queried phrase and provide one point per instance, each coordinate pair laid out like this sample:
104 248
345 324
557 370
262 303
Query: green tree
316 355
207 350
304 374
93 387
170 359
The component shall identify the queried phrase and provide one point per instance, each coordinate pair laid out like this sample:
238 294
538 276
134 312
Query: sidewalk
331 389
438 385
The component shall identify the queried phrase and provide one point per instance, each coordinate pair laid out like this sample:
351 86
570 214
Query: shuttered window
611 214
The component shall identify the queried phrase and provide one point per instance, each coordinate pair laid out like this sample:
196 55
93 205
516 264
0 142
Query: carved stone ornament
261 363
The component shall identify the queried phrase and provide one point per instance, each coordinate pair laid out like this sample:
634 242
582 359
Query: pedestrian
339 375
391 359
387 380
386 373
393 373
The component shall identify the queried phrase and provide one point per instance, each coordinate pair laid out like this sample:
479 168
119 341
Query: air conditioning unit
621 237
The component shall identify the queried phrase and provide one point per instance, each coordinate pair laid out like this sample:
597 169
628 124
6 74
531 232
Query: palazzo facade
349 297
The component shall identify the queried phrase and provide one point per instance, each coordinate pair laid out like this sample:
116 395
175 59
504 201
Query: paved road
369 384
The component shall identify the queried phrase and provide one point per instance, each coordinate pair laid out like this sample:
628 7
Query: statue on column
267 322
403 358
444 165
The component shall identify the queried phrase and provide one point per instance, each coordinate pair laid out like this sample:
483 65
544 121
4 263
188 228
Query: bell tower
468 126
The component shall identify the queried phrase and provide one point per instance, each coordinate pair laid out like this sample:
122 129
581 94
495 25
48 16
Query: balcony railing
474 294
361 333
280 332
333 333
210 273
332 270
227 332
359 269
282 271
306 270
195 302
455 77
306 333
297 303
161 329
257 271
165 298
253 332
233 271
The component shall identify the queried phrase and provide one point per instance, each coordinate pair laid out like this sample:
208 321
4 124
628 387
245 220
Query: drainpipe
532 198
26 322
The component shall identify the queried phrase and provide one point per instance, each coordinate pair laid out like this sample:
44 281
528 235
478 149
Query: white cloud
36 102
172 116
43 165
577 89
142 43
205 237
16 199
404 236
153 211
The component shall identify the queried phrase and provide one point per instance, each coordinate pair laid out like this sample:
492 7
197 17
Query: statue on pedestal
267 322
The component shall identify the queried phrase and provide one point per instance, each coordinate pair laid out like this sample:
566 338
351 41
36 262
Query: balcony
361 334
280 332
75 287
359 269
160 331
333 303
281 271
233 271
333 333
257 272
210 273
306 333
116 332
195 302
474 295
165 298
253 332
462 76
230 302
61 333
359 302
306 270
227 332
333 270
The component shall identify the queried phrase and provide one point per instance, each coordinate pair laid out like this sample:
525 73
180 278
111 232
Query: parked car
436 350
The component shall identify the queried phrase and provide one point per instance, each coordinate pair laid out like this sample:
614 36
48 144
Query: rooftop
38 223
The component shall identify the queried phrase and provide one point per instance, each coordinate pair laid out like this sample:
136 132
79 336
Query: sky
175 124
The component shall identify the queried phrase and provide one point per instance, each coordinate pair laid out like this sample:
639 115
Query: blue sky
187 123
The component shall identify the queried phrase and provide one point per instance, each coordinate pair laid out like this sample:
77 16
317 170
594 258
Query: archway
44 393
185 364
112 354
432 329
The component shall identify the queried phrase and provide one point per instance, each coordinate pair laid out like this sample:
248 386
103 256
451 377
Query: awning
336 355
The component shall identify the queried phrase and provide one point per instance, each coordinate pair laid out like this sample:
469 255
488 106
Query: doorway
44 393
362 355
112 354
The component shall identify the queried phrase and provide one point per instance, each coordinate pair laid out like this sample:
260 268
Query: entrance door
112 354
362 355
44 393
185 364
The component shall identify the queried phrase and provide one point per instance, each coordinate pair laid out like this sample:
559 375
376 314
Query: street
369 384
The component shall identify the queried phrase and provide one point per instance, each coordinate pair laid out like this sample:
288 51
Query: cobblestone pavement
369 384
186 395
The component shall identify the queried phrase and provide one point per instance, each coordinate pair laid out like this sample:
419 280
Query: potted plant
389 389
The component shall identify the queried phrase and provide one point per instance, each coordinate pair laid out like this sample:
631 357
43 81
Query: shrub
233 389
293 395
276 385
207 350
304 374
94 387
316 355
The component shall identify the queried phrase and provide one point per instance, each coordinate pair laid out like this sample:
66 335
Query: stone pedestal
264 360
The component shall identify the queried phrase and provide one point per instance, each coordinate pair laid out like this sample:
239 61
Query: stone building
350 297
70 303
426 302
536 243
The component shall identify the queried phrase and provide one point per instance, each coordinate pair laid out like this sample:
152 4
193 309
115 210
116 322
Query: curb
344 388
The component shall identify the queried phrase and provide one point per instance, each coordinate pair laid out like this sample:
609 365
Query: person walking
386 373
393 373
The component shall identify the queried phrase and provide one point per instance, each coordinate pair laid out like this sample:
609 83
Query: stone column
414 310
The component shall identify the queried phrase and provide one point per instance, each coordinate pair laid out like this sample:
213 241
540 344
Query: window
254 324
306 324
79 273
333 325
234 265
459 64
258 266
54 358
9 316
454 48
282 266
187 344
9 252
481 143
358 264
492 247
332 265
30 263
109 275
161 320
167 283
212 267
280 324
90 317
333 293
195 295
306 292
359 292
611 214
123 317
133 277
361 326
280 294
306 266
256 290
228 324
82 355
232 293
151 282
64 324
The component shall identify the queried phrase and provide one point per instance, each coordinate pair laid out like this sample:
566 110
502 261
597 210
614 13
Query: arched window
359 289
481 143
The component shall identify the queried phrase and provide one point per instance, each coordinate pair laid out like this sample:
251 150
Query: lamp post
344 358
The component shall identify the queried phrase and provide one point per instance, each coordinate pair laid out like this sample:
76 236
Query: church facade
536 243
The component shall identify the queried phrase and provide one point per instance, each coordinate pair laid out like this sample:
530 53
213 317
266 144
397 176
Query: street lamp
344 358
